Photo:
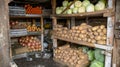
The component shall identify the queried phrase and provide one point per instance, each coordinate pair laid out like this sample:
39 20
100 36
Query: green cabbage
97 63
78 4
99 56
85 49
81 9
65 3
100 5
69 11
72 6
90 55
75 10
58 10
86 3
90 8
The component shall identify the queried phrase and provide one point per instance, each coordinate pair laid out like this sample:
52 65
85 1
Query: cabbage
85 49
75 10
58 10
90 55
81 9
65 3
86 3
69 11
100 5
72 6
99 56
78 4
96 63
90 8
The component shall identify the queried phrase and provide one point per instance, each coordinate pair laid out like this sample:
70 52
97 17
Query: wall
4 29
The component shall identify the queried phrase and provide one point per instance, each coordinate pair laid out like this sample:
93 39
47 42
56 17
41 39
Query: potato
105 31
79 39
76 27
92 36
84 31
102 26
98 37
99 30
83 24
73 28
95 28
89 40
104 38
93 41
89 30
101 34
75 38
96 33
85 39
76 35
78 31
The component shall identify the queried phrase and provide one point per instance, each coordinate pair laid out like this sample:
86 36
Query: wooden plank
96 13
54 24
30 16
110 34
105 47
42 32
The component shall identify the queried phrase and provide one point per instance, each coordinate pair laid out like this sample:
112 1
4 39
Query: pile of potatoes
71 56
83 32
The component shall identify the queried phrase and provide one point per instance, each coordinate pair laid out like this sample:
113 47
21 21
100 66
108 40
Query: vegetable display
80 7
83 32
72 56
32 43
79 56
33 10
33 28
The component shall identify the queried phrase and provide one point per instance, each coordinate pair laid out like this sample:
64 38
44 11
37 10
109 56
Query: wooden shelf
105 47
30 16
105 13
28 34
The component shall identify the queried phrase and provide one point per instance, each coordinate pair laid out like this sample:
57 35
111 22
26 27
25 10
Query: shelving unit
109 13
41 33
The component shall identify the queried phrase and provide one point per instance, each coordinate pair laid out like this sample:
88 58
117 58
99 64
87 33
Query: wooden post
54 24
72 21
42 32
110 35
53 2
4 34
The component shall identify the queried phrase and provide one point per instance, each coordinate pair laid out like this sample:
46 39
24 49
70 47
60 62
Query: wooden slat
105 13
30 16
105 47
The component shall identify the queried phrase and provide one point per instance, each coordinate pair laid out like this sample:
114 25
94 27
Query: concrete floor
38 63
